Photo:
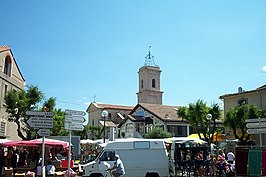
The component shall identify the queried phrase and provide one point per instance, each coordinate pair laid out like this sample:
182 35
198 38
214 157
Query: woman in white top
50 169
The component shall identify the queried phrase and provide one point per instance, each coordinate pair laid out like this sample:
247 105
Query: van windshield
107 156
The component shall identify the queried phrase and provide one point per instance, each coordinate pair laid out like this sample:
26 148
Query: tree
95 132
158 133
83 134
17 102
58 128
236 118
196 113
50 104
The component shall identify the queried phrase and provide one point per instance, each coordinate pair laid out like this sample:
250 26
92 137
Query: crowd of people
31 158
203 163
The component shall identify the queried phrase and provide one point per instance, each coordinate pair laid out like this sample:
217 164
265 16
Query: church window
5 90
7 67
110 116
139 112
141 83
153 83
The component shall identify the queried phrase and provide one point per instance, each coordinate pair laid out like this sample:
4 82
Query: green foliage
17 102
58 129
236 118
157 133
50 103
95 132
196 113
83 134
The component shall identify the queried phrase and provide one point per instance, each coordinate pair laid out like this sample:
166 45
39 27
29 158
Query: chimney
240 90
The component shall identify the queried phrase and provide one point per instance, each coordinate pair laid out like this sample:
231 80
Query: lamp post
104 115
208 117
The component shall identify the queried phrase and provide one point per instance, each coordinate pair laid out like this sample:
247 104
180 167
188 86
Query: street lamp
208 117
104 115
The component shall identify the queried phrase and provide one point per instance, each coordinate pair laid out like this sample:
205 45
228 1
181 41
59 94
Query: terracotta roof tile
250 91
112 106
4 48
167 113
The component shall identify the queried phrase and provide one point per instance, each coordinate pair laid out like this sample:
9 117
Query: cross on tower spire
149 59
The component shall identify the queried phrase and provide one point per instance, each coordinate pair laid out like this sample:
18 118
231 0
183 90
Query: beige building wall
10 81
256 97
95 111
150 85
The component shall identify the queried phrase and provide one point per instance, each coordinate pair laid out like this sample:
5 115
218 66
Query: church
135 122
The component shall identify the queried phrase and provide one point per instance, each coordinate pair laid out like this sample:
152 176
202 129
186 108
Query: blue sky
75 49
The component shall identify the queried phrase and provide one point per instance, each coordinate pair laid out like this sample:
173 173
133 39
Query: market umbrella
4 140
37 142
12 143
195 135
216 136
184 140
87 141
219 137
49 142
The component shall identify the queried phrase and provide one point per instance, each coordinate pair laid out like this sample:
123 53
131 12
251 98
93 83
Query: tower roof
149 59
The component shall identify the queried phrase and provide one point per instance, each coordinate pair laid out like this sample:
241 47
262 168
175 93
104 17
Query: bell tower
149 82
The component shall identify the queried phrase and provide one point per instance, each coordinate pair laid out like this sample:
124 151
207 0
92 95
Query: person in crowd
15 158
230 157
50 169
221 165
199 170
9 156
39 169
188 155
35 157
118 168
23 156
221 154
2 159
199 155
212 168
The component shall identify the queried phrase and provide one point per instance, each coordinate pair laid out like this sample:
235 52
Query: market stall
37 142
90 149
28 153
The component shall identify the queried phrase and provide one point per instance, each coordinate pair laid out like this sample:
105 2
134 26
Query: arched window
110 116
7 67
141 83
153 83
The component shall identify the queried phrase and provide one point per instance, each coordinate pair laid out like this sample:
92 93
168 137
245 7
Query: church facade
149 112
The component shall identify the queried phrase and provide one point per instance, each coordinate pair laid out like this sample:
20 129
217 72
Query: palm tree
196 113
236 118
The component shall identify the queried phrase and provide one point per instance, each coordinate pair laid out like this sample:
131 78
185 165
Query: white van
141 158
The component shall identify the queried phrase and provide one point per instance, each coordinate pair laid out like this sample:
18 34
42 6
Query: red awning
37 142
